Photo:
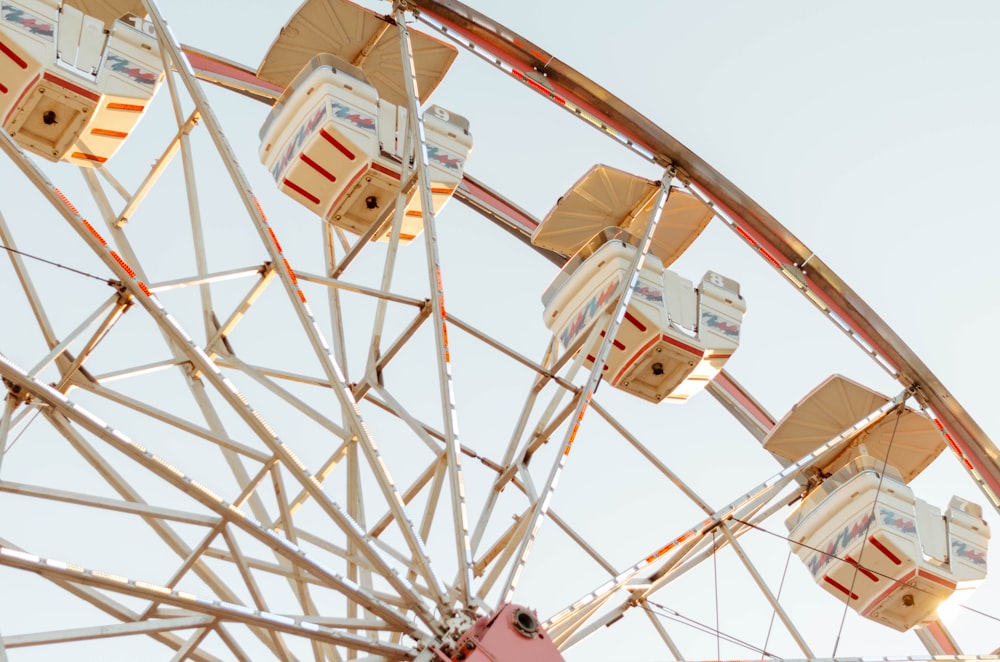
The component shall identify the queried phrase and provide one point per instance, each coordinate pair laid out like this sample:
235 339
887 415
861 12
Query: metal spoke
540 507
463 547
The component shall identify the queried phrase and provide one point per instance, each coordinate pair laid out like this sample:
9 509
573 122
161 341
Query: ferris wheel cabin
335 141
674 338
862 533
73 86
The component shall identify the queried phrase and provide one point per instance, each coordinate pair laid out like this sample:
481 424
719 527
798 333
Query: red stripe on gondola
885 550
614 342
13 56
336 143
317 167
385 171
864 571
684 346
840 587
75 89
301 191
636 323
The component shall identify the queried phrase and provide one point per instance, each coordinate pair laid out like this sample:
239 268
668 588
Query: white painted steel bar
333 371
541 507
258 375
406 171
538 384
773 242
194 206
183 342
502 552
191 645
104 503
181 424
76 365
356 508
10 403
463 546
113 301
118 483
662 631
391 404
64 407
249 488
328 466
115 609
154 173
582 543
651 457
106 631
348 447
209 278
305 276
51 338
252 587
284 571
513 459
686 556
215 608
765 590
371 377
139 370
411 492
548 372
240 310
586 621
546 424
111 180
682 562
754 496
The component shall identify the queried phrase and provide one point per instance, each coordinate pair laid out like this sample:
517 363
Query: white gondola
862 534
674 338
72 85
334 141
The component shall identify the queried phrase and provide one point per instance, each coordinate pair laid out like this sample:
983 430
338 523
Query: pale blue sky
870 129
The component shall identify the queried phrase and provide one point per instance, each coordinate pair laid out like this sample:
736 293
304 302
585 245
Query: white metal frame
285 523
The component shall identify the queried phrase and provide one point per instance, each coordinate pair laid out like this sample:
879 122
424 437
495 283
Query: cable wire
715 576
106 281
677 617
777 598
24 429
864 540
838 558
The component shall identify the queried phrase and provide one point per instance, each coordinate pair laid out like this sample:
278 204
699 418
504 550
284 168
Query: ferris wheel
286 379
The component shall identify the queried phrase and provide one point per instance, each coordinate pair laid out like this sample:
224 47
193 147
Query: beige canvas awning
360 37
108 10
608 197
912 440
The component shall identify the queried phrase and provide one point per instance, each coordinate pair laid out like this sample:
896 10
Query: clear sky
870 130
